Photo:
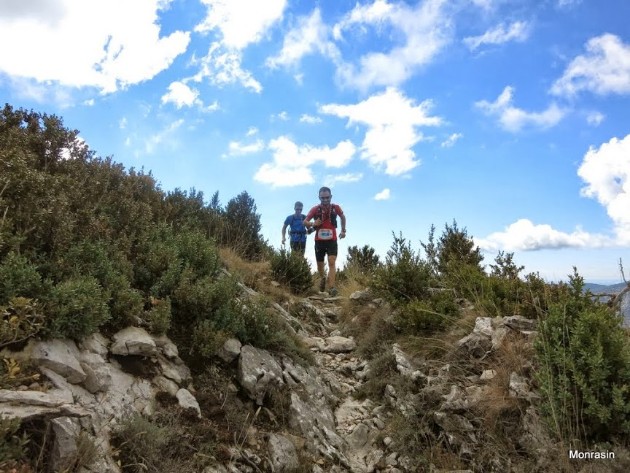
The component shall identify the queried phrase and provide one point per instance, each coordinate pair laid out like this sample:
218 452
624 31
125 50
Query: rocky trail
92 386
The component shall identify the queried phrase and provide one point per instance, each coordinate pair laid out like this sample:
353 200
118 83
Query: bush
13 446
18 277
140 443
159 316
404 276
76 308
419 317
584 375
19 320
293 270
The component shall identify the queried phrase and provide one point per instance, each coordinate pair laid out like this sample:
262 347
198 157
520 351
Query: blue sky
511 117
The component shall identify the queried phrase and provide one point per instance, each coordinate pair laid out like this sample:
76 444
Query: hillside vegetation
86 246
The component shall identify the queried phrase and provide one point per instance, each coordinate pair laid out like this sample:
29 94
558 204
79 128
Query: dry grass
251 273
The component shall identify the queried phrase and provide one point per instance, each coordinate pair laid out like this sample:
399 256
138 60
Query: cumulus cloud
237 148
291 165
241 22
524 235
392 121
107 44
604 69
385 194
222 67
606 172
180 95
310 35
424 30
517 31
514 119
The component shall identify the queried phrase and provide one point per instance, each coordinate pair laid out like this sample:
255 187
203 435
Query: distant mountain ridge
612 289
599 288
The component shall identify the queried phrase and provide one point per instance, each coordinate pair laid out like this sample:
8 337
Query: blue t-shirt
297 230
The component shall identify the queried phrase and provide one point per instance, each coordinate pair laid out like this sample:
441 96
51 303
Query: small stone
387 441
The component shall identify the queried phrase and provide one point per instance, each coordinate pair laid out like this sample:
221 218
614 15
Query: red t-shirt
326 231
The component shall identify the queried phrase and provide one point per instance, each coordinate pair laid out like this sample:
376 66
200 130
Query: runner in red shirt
325 225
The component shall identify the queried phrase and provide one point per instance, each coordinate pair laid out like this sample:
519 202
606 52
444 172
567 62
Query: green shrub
18 277
19 320
140 444
404 276
584 375
125 305
76 308
293 270
159 316
426 316
13 446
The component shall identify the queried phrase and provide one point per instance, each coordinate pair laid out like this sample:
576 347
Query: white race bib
325 234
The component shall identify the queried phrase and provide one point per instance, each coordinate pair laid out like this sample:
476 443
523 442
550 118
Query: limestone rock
282 454
258 371
61 356
230 350
133 341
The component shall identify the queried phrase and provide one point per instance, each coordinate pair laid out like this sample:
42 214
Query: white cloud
113 43
424 30
385 194
391 120
292 164
237 148
252 131
181 95
309 36
514 119
595 118
604 69
241 22
282 116
376 13
450 141
606 172
223 67
162 138
305 118
524 235
331 179
517 31
568 3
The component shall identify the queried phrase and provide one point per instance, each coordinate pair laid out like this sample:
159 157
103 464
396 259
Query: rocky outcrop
87 389
92 386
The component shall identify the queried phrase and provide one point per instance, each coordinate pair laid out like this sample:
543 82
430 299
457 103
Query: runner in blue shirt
297 230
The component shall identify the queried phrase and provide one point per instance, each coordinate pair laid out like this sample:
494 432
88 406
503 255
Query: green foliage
159 316
584 373
404 276
18 277
141 443
291 269
76 308
13 445
421 317
453 249
67 216
362 259
243 226
19 320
